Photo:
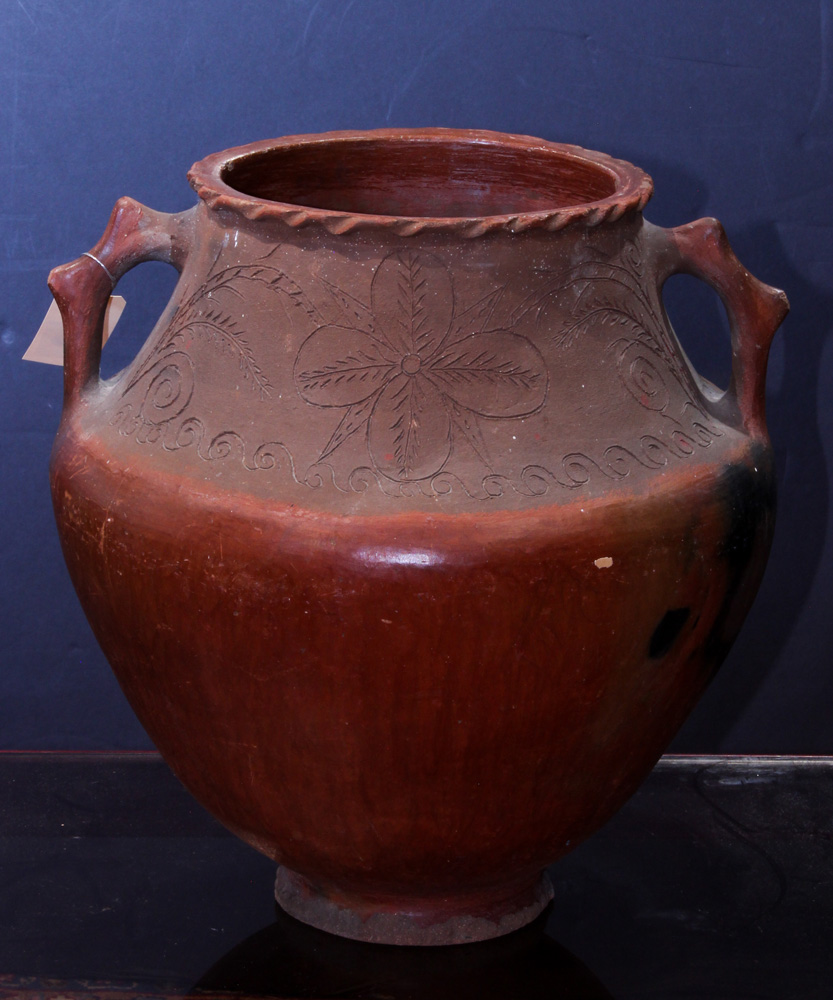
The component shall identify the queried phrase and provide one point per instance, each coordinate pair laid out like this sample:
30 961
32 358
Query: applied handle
83 287
755 310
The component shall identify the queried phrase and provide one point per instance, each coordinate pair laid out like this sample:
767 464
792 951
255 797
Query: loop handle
755 311
82 288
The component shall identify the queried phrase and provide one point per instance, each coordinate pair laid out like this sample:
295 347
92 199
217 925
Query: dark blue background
728 105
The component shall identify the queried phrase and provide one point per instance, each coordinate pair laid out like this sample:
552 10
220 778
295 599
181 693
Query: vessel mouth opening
419 179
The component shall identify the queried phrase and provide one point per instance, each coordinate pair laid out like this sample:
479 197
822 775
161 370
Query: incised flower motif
412 373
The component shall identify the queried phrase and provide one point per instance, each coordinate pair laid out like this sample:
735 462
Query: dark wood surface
714 882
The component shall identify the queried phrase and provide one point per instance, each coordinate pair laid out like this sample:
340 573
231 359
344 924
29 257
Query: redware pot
410 534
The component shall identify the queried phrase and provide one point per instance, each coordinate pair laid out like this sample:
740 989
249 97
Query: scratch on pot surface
235 743
103 532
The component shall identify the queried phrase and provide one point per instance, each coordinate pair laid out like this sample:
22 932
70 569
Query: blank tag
48 345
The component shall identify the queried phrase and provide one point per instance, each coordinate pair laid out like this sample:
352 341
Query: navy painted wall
728 105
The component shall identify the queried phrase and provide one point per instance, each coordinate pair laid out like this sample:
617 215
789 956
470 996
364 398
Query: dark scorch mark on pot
747 495
667 632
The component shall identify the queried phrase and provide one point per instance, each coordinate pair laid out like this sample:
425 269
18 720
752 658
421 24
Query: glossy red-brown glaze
382 177
467 182
411 694
407 708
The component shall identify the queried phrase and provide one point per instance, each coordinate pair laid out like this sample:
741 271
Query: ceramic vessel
410 533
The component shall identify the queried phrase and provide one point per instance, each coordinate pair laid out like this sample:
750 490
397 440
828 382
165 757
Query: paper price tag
48 345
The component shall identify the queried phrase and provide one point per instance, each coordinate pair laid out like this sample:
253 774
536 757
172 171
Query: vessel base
444 920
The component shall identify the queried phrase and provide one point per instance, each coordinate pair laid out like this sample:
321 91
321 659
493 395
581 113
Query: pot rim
633 187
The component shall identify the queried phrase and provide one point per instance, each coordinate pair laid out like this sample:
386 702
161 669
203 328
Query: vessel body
410 534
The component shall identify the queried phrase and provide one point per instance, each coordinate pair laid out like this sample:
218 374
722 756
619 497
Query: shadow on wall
793 417
740 701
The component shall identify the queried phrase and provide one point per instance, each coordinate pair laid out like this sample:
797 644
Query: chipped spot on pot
603 562
747 495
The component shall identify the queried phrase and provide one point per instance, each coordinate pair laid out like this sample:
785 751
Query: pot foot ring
438 921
